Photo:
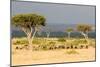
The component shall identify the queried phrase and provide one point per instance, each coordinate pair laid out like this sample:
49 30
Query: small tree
29 23
84 29
69 30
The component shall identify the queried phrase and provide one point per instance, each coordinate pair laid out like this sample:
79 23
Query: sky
57 13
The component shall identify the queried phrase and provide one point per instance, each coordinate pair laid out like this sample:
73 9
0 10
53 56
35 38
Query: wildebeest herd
51 47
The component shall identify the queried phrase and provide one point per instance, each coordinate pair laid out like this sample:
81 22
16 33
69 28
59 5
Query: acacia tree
29 24
84 29
69 30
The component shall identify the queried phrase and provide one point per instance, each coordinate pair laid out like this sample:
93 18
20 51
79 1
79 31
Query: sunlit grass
72 52
50 42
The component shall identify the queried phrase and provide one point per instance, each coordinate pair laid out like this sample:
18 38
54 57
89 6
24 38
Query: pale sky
57 13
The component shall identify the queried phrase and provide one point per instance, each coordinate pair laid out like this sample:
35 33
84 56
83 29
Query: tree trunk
48 34
86 37
34 34
30 40
29 37
88 41
69 35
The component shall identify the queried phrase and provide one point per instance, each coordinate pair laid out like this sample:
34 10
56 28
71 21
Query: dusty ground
24 57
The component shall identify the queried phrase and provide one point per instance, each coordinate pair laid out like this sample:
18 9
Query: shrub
21 42
73 43
83 41
62 40
79 41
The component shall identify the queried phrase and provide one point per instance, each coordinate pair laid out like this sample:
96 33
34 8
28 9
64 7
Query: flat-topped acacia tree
29 23
84 29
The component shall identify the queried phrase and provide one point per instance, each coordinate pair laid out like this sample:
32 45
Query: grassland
52 50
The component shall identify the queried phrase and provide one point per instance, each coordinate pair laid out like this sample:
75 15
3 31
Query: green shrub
21 42
62 40
83 41
74 43
78 41
47 46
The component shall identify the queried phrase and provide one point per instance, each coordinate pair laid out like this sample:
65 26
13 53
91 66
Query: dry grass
72 52
24 57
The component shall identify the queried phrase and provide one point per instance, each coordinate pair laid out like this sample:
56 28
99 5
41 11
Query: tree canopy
84 28
28 20
69 29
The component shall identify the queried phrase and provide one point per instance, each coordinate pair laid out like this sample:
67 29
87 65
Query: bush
82 41
62 40
79 41
21 42
74 43
47 46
